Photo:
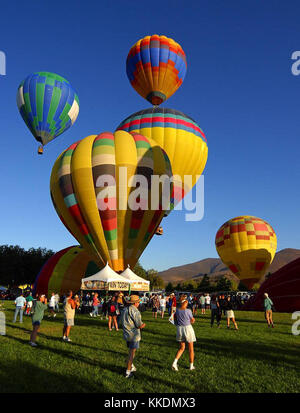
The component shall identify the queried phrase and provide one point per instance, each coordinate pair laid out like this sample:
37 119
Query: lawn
252 359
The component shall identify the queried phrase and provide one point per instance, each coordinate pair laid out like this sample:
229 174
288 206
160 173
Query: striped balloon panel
64 271
156 67
247 245
181 138
92 184
48 105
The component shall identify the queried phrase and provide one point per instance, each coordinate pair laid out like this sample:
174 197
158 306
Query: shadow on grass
250 350
26 377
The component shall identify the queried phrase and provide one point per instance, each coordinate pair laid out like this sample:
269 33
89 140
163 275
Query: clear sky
239 88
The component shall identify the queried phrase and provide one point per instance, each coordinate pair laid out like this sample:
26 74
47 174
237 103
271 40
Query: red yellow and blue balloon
156 67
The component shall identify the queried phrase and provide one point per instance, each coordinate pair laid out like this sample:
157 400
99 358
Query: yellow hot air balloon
247 246
181 138
106 225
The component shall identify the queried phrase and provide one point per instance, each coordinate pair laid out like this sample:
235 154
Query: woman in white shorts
230 313
185 333
162 306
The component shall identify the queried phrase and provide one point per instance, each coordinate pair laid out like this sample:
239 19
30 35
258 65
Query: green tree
139 270
224 284
178 287
204 284
156 282
190 285
20 266
169 287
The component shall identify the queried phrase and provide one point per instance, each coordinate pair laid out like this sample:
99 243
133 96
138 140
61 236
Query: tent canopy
106 279
136 283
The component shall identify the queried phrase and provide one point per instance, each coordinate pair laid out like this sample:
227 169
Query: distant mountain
215 269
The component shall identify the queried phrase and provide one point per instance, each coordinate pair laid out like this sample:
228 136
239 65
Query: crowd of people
125 311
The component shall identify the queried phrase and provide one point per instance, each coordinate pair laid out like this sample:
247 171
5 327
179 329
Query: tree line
19 266
207 286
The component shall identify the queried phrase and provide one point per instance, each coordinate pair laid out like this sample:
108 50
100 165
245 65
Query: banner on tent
139 286
101 285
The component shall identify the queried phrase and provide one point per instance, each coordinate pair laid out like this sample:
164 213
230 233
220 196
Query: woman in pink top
96 303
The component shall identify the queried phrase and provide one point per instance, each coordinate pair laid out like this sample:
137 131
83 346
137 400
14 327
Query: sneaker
128 375
91 314
193 368
133 368
174 367
32 344
68 340
64 338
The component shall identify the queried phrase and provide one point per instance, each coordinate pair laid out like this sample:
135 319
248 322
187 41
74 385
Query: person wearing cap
132 324
38 314
185 333
268 303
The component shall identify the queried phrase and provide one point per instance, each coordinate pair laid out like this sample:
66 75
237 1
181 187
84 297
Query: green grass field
252 359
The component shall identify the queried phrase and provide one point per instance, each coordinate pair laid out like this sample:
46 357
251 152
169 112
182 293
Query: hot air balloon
156 67
98 214
247 246
283 287
48 105
181 138
64 271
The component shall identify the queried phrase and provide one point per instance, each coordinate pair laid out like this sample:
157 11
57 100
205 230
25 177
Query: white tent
136 283
106 279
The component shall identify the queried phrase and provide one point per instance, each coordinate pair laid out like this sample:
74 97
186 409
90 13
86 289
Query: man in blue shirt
132 326
20 305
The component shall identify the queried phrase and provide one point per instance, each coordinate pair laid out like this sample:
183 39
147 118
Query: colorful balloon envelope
180 136
156 67
48 105
247 246
99 215
64 271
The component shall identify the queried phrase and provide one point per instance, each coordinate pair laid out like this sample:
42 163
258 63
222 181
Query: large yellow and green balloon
247 246
105 225
180 136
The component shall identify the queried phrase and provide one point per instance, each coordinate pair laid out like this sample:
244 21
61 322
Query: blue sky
239 88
